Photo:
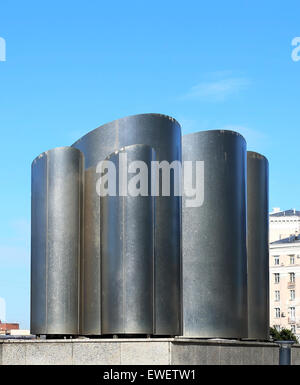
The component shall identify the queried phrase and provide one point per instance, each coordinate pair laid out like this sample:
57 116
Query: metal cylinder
285 348
56 217
163 134
257 245
127 250
214 236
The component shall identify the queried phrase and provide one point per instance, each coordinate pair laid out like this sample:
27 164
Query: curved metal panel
56 209
164 135
214 238
127 254
257 245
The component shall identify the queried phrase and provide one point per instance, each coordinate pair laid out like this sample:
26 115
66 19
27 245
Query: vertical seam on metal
154 251
100 267
180 318
80 174
46 251
78 241
123 260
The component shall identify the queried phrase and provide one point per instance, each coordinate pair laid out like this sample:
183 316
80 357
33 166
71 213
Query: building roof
291 239
286 213
8 326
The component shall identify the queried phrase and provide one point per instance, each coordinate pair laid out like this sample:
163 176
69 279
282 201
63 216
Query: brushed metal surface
214 239
56 207
127 254
163 134
257 245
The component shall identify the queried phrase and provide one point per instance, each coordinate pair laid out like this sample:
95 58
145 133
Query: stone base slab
153 351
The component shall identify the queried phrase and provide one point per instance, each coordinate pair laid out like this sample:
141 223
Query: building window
292 277
292 295
277 312
277 277
293 329
277 327
292 313
276 260
292 259
277 295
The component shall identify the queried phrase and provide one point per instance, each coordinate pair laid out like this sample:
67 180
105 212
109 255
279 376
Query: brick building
5 328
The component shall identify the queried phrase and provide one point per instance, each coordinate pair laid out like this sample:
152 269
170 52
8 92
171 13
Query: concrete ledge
160 351
223 352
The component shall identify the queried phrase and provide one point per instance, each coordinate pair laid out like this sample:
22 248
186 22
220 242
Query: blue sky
73 65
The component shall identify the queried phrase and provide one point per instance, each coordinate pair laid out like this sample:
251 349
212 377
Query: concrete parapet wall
171 351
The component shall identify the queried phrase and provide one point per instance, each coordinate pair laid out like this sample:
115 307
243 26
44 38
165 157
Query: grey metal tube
257 245
285 355
285 352
56 217
127 254
214 238
163 134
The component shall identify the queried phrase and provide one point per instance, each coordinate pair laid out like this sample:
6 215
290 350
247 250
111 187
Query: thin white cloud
74 135
217 90
189 125
14 255
21 228
256 140
15 244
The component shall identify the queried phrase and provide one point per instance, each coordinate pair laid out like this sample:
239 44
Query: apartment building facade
5 328
283 224
285 270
